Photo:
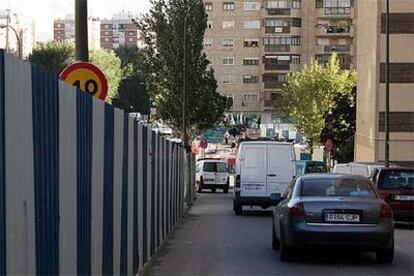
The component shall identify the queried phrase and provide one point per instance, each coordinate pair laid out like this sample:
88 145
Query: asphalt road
213 241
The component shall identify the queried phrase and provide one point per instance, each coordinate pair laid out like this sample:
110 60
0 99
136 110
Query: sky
45 11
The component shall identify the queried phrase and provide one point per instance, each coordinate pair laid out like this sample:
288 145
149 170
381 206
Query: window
230 96
59 25
227 79
251 61
209 167
227 42
106 39
228 61
250 79
251 42
250 98
228 6
397 179
282 40
209 24
208 42
208 6
106 33
283 4
295 59
291 22
348 187
251 6
229 24
251 24
131 39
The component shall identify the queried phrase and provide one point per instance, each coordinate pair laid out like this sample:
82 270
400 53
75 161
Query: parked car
309 166
212 174
357 168
332 210
263 170
397 188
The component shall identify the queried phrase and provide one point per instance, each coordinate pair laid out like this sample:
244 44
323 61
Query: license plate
208 180
342 218
404 197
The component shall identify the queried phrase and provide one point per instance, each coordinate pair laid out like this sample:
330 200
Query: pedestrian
226 137
259 122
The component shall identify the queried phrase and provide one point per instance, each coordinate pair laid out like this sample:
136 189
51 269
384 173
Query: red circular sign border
89 66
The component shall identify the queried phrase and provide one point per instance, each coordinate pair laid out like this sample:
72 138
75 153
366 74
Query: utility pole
7 29
387 85
81 30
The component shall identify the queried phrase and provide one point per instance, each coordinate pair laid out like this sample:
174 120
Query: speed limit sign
87 77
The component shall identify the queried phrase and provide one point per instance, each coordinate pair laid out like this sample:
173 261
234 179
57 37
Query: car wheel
200 186
285 251
237 208
386 256
275 240
213 190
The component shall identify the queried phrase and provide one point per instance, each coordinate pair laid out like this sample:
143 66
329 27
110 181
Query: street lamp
19 45
387 85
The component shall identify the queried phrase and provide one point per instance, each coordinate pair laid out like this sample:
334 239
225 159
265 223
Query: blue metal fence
84 188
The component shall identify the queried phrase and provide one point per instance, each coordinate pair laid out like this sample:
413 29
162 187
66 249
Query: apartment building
253 44
371 57
118 31
64 30
25 30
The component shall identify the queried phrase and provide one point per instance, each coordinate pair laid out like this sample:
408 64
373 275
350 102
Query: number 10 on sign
87 77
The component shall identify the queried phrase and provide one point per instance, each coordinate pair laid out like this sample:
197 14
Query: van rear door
280 168
253 171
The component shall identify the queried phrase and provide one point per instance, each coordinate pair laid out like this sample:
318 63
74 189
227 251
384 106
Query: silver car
333 210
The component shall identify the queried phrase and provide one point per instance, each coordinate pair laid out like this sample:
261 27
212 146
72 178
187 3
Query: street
213 241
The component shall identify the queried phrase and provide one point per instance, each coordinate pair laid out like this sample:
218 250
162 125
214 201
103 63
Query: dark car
397 188
333 210
309 166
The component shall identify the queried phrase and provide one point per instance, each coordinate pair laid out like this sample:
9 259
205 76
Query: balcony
335 13
273 85
277 48
335 31
277 30
284 67
335 48
273 11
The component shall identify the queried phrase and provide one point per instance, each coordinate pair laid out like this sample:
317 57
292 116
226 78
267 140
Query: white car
212 174
264 169
357 168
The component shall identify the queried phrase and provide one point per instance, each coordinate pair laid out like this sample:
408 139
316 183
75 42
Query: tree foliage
53 56
311 94
133 96
340 127
110 64
164 30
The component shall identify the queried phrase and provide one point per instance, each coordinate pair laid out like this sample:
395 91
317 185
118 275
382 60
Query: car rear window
347 187
396 179
209 167
316 168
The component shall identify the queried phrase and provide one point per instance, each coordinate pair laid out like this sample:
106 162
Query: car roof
329 176
265 143
396 169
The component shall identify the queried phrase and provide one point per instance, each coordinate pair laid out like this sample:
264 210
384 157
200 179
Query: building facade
119 31
254 44
25 30
371 56
64 30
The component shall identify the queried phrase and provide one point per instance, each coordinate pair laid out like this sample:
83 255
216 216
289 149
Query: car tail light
386 211
237 184
297 210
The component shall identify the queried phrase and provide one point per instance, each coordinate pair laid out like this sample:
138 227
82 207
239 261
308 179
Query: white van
264 169
357 168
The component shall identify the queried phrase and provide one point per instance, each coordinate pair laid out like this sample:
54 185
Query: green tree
340 127
133 96
310 94
110 64
164 30
53 56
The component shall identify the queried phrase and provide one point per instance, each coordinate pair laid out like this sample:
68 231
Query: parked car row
316 208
